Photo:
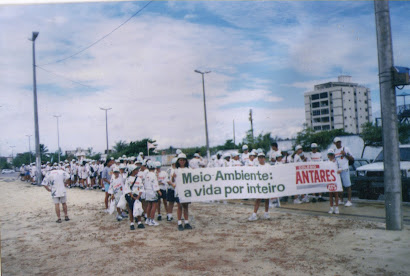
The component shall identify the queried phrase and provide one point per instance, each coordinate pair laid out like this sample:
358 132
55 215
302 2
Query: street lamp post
36 128
58 137
12 153
106 123
206 122
29 147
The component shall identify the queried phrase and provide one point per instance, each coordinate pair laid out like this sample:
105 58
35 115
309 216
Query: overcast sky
263 55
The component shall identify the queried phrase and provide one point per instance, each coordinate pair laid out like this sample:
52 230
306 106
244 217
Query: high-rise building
338 105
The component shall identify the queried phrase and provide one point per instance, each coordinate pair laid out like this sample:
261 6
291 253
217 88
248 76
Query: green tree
23 158
120 146
322 138
4 164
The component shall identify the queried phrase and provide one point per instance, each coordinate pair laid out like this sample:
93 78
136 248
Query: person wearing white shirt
273 152
315 156
245 154
151 193
253 217
196 162
163 183
298 156
133 189
115 189
226 160
55 182
251 160
235 162
331 157
343 155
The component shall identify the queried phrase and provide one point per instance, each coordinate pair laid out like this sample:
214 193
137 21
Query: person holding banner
182 163
253 217
343 155
331 156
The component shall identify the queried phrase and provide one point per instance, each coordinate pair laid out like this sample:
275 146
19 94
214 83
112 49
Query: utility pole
392 175
251 120
206 122
58 138
29 146
36 128
106 124
234 132
12 154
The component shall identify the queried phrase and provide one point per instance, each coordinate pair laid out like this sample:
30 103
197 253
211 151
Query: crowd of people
135 186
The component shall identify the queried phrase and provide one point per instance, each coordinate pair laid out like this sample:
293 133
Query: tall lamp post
36 128
29 146
206 122
106 124
12 153
58 137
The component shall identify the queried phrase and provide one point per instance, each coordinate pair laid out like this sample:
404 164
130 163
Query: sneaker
148 222
336 210
348 203
159 217
253 217
119 218
266 216
341 202
331 210
124 215
170 218
187 226
132 227
180 227
140 226
154 223
321 199
297 201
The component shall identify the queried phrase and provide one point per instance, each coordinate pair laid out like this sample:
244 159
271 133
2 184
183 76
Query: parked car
6 171
370 178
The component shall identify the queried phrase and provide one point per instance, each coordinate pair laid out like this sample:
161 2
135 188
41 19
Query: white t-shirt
273 154
196 163
163 180
226 163
116 185
298 158
236 163
314 157
55 180
137 186
266 164
170 172
244 157
250 163
342 160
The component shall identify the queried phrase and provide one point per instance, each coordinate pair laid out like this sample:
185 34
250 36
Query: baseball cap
196 155
313 145
298 147
116 169
337 139
261 154
331 151
181 156
245 147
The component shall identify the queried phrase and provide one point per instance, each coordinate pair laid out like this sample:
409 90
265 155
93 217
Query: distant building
338 105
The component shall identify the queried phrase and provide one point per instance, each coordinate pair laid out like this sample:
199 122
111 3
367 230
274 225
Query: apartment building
338 105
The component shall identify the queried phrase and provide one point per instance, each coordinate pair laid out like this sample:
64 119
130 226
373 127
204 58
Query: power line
61 76
94 43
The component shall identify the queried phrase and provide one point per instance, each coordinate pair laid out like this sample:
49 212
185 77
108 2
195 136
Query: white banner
195 185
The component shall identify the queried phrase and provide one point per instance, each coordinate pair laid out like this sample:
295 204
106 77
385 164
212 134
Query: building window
324 111
365 110
345 118
324 103
344 92
315 97
346 126
316 112
323 95
367 117
316 120
365 102
317 128
325 119
344 109
314 105
326 127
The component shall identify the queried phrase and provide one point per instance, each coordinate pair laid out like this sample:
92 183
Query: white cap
234 154
298 147
158 164
313 145
116 169
226 155
253 153
196 155
181 156
178 152
122 166
141 153
330 151
337 139
244 147
261 154
132 167
279 154
174 160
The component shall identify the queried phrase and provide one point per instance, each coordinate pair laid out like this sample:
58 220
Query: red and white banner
195 185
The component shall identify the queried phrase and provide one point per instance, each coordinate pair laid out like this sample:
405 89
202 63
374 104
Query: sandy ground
222 242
